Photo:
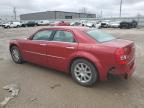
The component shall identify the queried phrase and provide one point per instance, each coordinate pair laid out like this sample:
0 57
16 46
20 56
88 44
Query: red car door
34 50
60 50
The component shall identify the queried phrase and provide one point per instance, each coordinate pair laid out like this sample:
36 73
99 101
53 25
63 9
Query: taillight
121 56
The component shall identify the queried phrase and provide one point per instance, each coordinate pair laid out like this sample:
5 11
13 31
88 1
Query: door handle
43 44
70 47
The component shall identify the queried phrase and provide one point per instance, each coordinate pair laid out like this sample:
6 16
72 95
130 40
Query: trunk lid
127 45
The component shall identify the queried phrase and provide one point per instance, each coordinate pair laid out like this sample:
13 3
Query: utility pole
101 14
84 10
15 13
138 18
121 2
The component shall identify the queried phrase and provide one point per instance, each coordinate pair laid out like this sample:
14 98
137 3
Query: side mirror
28 38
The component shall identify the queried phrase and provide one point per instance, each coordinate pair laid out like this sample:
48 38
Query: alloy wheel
83 72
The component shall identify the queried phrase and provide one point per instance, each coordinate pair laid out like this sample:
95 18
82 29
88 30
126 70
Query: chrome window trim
39 32
56 41
73 35
59 41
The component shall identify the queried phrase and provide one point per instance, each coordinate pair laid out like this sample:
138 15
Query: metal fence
140 20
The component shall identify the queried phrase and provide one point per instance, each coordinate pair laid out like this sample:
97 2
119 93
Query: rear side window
43 35
63 36
100 36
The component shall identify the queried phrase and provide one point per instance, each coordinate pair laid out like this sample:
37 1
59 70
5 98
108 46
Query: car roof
68 28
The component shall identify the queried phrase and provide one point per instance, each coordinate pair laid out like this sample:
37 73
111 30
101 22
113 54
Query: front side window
63 36
100 36
43 35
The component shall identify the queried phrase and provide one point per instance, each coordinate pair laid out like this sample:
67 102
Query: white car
98 25
91 24
43 22
105 23
76 23
11 25
115 24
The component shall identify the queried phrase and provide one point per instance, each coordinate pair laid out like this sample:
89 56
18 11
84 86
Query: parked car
87 54
90 24
29 24
115 24
59 23
84 22
43 23
1 23
11 25
93 24
76 24
105 24
128 25
98 25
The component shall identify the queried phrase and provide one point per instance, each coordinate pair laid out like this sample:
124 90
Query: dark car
29 24
87 54
128 25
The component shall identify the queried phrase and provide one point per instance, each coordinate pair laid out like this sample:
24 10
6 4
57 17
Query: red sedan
87 54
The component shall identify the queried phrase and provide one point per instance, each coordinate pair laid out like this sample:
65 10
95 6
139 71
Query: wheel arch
88 59
21 60
13 44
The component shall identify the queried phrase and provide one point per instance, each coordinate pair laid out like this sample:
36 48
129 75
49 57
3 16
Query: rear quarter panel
106 57
102 56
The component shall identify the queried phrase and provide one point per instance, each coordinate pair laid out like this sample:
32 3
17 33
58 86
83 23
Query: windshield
100 36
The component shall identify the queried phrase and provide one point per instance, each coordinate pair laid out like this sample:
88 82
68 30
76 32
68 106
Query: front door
35 48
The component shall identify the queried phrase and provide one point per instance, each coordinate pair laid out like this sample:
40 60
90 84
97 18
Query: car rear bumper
123 71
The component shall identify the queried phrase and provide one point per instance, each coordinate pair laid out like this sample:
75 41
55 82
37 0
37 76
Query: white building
6 18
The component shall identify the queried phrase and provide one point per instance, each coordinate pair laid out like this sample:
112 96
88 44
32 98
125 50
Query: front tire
84 72
16 55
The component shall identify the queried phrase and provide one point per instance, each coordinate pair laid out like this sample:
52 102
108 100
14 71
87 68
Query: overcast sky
109 7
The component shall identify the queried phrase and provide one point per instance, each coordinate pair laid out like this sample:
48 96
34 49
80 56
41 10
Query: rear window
100 36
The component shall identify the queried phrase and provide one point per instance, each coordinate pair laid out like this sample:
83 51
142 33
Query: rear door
35 49
61 48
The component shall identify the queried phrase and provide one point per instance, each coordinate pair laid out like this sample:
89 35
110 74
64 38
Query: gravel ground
45 88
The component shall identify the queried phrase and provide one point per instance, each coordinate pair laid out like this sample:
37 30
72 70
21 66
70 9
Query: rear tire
16 55
84 72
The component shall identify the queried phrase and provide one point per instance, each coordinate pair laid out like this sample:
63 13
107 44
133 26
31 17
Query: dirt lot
46 88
